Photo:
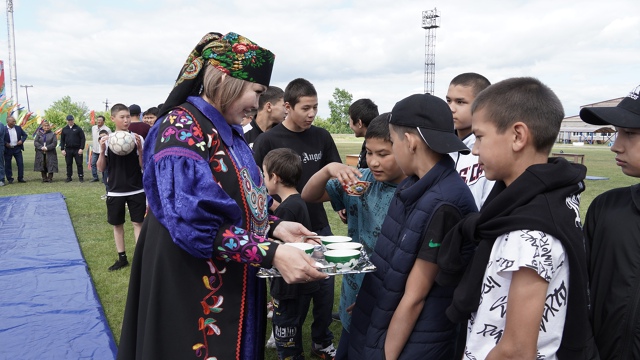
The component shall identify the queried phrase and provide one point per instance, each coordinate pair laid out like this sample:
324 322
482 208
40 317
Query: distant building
573 129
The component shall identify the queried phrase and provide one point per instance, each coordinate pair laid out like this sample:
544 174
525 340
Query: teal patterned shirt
365 215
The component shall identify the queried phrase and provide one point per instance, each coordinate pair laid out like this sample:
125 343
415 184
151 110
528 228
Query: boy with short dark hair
613 238
399 309
137 126
524 292
282 169
316 148
463 89
365 213
361 113
124 185
271 112
150 116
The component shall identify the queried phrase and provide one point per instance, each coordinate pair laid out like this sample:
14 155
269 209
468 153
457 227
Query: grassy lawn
88 214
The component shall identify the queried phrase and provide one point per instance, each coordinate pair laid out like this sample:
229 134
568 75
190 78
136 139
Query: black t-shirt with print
316 149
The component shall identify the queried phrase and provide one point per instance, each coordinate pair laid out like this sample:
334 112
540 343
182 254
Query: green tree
338 120
57 113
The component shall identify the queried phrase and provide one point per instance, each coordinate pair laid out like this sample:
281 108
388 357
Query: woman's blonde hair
220 88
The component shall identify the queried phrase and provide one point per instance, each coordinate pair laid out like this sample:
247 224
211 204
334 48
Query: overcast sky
131 51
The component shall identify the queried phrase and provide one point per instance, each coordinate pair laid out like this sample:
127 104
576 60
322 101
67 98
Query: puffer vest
409 215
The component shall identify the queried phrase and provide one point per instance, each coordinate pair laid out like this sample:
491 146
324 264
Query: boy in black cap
613 237
399 312
137 126
72 141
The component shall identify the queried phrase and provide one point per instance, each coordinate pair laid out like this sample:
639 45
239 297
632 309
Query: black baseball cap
70 117
433 119
625 115
134 109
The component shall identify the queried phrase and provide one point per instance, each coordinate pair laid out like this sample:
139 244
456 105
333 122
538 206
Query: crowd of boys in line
474 230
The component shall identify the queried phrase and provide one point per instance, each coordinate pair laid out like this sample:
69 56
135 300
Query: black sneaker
119 264
328 352
68 180
95 180
81 180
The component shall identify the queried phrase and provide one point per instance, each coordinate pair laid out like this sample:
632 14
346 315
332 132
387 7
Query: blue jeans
8 155
94 169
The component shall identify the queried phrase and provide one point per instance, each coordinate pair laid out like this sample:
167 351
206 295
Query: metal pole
12 52
27 92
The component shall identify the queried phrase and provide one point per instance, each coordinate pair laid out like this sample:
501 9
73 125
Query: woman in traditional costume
193 292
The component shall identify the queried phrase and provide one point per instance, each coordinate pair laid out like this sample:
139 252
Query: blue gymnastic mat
49 308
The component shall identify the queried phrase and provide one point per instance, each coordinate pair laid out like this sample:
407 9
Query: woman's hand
296 266
289 231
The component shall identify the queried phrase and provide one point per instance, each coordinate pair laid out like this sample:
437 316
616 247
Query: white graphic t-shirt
512 251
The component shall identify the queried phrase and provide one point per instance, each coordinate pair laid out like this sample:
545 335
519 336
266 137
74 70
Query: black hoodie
536 200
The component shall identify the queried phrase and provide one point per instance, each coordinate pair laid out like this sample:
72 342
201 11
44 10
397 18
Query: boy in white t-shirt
463 89
524 292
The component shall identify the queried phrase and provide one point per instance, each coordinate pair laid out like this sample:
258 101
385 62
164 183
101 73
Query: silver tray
364 265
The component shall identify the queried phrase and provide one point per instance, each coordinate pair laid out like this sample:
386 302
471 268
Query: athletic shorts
137 205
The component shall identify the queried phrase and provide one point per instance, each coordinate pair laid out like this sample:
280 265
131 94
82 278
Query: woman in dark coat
46 154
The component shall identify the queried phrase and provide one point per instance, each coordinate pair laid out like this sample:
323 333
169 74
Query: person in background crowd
137 126
150 116
14 140
72 141
95 153
46 161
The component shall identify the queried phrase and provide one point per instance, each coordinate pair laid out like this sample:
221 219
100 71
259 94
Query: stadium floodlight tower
430 22
12 53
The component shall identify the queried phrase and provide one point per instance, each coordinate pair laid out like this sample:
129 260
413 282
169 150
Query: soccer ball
122 142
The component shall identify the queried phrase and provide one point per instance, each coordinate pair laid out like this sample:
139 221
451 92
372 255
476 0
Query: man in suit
3 130
14 140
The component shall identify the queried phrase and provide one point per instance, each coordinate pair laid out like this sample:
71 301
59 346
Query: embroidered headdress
232 54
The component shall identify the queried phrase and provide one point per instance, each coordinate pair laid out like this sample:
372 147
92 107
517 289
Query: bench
352 160
574 158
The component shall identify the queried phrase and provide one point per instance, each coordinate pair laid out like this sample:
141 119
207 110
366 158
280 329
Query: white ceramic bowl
334 239
344 246
342 259
307 248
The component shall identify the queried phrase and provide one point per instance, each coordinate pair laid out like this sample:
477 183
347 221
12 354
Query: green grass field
88 214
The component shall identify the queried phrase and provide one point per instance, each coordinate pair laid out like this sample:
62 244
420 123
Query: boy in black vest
399 311
124 184
524 292
613 237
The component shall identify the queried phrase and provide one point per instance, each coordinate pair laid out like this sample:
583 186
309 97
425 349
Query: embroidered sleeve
201 217
236 244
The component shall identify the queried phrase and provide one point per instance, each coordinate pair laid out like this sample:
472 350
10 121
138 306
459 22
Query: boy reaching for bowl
341 185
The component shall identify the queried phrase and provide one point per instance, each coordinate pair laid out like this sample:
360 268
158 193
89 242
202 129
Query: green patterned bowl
307 248
342 259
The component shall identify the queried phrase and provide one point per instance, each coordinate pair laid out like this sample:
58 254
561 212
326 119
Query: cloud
131 51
